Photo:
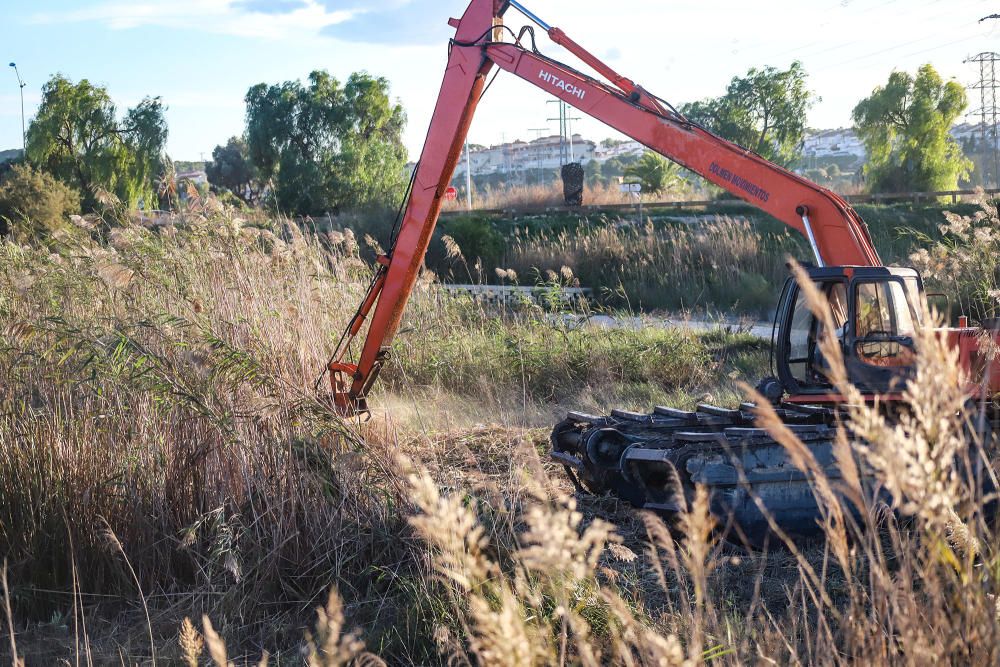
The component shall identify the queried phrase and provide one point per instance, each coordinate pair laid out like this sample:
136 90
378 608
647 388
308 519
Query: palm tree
656 173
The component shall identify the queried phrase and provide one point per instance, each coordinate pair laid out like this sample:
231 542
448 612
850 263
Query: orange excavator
641 457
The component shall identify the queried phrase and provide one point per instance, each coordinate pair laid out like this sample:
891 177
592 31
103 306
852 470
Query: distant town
820 148
833 157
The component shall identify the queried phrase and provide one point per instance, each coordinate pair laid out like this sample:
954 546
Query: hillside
8 155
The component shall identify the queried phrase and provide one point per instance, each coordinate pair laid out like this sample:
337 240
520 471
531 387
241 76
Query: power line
987 111
839 17
935 48
938 21
964 38
930 19
565 131
874 7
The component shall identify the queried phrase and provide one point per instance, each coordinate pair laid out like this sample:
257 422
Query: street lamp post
24 136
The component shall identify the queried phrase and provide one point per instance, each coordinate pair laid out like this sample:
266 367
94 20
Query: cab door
880 352
801 367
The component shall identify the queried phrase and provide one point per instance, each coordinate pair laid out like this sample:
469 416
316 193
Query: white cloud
229 17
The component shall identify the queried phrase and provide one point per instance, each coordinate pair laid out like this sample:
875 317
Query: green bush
476 239
33 203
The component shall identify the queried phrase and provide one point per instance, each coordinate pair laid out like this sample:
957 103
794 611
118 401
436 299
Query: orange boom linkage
835 232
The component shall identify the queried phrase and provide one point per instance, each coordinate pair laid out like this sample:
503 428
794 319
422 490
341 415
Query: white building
197 177
818 148
842 142
513 157
624 149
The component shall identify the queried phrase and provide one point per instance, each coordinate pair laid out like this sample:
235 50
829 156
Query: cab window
886 322
805 361
884 309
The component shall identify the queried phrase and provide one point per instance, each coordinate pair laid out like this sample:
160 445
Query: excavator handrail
836 233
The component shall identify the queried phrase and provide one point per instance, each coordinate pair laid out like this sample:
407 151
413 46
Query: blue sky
202 55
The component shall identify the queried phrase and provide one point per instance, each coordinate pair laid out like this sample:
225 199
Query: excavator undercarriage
654 461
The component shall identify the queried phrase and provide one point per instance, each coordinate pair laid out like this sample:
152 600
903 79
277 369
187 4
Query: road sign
631 187
451 194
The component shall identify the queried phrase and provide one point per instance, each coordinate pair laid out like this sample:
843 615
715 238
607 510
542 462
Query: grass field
171 482
727 258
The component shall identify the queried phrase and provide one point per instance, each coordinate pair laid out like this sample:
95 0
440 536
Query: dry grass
527 197
157 420
906 573
158 417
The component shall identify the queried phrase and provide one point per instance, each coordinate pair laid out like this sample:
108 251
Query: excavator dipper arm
464 81
836 234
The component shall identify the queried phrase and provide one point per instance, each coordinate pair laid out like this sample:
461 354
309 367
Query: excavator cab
875 312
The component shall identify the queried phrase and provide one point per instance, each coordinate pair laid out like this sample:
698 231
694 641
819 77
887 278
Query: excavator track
654 461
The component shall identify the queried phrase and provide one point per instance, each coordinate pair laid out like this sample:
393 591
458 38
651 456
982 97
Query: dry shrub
965 263
34 204
541 601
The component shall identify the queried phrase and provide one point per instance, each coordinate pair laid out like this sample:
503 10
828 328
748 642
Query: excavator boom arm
836 233
840 236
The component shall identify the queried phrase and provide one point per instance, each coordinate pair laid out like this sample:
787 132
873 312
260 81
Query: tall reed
158 417
721 264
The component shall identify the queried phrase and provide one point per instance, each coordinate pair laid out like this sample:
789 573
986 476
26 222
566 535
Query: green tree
325 146
231 169
656 173
904 126
77 137
593 173
616 166
764 111
34 204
